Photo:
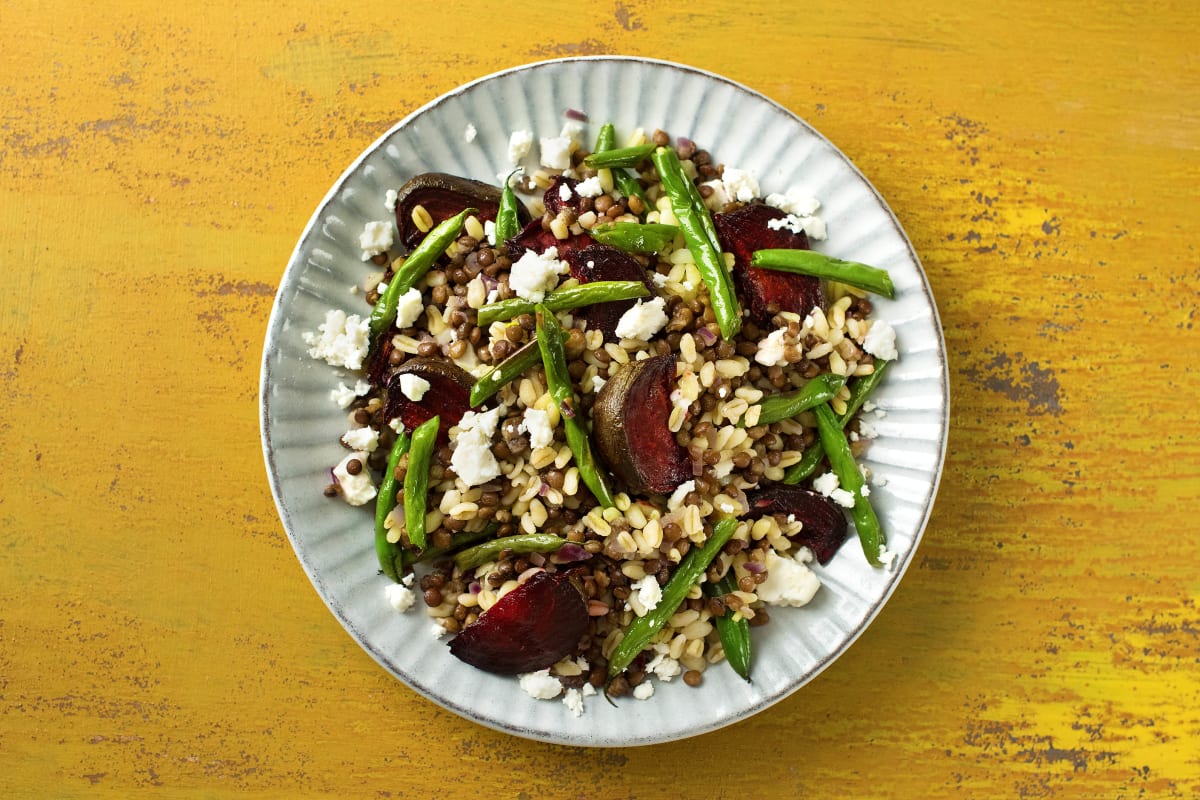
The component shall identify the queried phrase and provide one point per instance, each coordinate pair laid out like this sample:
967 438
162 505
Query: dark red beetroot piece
534 626
745 230
602 262
629 425
448 395
553 200
536 238
443 196
824 523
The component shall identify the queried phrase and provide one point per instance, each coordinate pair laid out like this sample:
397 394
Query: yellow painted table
157 633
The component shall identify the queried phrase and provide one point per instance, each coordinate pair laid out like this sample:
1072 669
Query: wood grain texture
156 631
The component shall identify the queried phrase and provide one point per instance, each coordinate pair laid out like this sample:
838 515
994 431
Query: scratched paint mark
626 19
1020 380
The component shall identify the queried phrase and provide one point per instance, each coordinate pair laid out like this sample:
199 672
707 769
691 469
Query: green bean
473 557
416 479
390 554
585 294
704 250
463 539
842 463
506 371
412 270
810 262
508 216
606 140
558 381
634 237
859 390
643 629
734 633
820 389
619 157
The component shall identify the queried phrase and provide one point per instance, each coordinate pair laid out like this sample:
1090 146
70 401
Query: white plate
301 426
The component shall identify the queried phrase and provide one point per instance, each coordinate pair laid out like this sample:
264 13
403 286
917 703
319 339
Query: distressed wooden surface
156 168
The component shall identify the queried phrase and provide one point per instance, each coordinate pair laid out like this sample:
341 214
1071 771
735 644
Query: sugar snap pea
416 479
412 270
508 216
487 551
628 185
810 262
842 463
776 407
705 250
634 237
458 542
643 629
619 157
390 554
550 343
503 373
734 633
585 294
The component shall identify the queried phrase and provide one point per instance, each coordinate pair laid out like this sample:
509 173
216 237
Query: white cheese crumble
598 383
659 279
794 202
644 691
472 459
842 497
887 557
537 424
343 395
389 199
413 387
519 143
400 597
663 667
533 275
813 227
541 685
573 699
789 580
409 309
589 187
489 230
718 198
880 341
357 489
770 349
681 492
469 133
365 439
437 630
375 238
555 152
826 483
739 184
572 131
564 192
342 340
644 595
643 320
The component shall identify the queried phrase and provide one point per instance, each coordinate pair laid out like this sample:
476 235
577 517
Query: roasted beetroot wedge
534 626
629 425
443 196
765 292
824 523
602 262
556 198
536 238
448 394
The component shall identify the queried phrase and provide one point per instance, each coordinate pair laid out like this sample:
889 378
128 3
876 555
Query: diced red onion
489 282
755 567
708 336
544 490
575 114
569 553
474 587
684 142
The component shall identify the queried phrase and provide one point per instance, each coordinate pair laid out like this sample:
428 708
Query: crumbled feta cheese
880 341
357 489
519 143
409 309
865 491
589 187
573 699
533 275
380 287
437 630
680 494
598 383
413 386
826 483
342 340
869 406
489 231
365 439
659 279
469 133
556 152
537 424
663 666
789 580
718 198
887 557
343 395
740 184
644 691
400 597
389 199
866 430
795 202
770 349
643 320
564 192
815 228
842 497
376 238
645 595
572 131
472 459
541 685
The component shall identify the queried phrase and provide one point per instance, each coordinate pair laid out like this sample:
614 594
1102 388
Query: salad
607 411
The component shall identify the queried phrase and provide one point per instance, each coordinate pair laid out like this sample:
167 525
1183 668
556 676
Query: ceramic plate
301 426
